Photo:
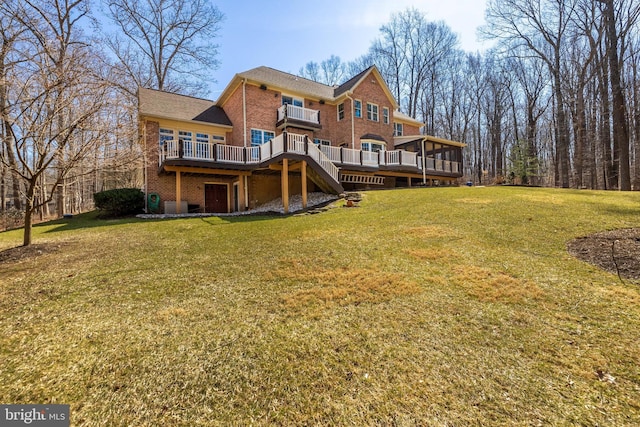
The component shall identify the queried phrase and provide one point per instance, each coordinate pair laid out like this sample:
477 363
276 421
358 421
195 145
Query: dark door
215 198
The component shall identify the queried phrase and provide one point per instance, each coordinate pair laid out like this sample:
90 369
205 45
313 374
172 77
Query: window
259 137
372 112
186 138
166 135
202 138
357 108
385 115
218 139
318 141
290 100
202 145
341 111
372 146
397 129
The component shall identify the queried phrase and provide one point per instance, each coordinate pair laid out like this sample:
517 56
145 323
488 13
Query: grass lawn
444 306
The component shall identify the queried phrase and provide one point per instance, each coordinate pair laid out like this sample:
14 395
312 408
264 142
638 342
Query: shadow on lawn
93 220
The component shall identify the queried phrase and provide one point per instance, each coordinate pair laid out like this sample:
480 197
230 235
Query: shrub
120 202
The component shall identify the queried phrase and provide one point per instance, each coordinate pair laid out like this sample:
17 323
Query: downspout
144 165
424 164
353 121
244 138
244 111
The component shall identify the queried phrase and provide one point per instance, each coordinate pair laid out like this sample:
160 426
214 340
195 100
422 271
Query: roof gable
285 82
157 103
351 84
279 80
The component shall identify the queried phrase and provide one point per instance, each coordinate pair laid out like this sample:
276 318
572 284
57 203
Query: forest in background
555 102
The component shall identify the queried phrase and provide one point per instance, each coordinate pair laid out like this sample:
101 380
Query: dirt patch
616 251
22 253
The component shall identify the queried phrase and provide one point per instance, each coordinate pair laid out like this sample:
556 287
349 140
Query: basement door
215 198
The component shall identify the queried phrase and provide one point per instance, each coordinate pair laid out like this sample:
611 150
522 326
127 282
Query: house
272 134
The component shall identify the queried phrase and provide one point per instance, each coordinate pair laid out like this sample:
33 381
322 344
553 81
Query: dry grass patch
472 201
342 286
431 231
433 254
490 286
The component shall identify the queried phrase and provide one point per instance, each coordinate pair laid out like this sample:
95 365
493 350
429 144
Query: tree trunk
562 142
28 212
609 169
580 135
620 128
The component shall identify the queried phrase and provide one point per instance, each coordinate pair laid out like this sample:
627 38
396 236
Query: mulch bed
616 251
21 253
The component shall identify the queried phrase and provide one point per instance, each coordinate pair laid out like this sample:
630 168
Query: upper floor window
397 129
319 141
372 112
357 108
341 111
185 135
385 115
166 135
259 136
202 138
290 100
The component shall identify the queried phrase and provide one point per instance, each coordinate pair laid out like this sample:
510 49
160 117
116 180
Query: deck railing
326 156
290 111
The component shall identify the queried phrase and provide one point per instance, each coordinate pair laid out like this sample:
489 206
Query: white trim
293 98
354 109
377 119
338 112
244 111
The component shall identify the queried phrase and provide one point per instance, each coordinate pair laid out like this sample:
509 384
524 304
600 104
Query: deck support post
285 185
178 192
241 201
303 171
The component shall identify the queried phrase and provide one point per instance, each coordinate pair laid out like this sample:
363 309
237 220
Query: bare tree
541 27
53 99
166 45
620 124
10 34
412 51
331 71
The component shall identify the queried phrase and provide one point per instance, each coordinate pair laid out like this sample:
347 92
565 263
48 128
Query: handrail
326 156
316 154
291 111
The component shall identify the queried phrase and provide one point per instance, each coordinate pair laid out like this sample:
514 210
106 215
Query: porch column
241 202
303 171
285 185
178 192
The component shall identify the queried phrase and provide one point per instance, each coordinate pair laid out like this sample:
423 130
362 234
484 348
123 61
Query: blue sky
287 34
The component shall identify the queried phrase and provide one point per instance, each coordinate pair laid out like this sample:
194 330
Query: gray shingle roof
351 83
286 81
161 104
